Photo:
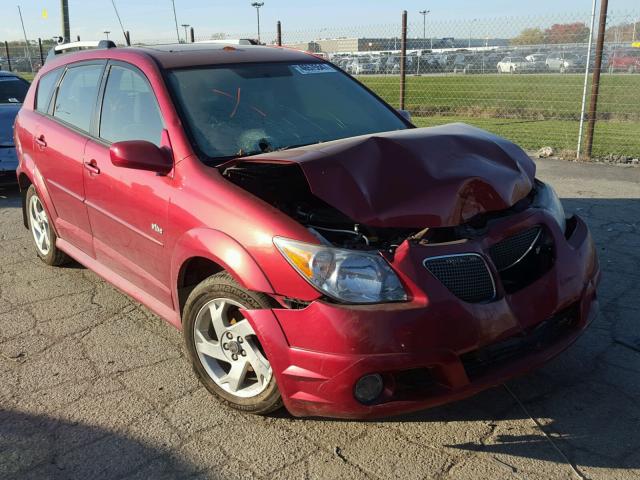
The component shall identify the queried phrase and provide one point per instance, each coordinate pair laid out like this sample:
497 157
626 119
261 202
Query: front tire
224 350
44 237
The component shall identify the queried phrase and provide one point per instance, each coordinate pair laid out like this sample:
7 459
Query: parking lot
95 386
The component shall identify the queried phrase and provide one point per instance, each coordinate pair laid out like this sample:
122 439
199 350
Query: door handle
41 142
92 167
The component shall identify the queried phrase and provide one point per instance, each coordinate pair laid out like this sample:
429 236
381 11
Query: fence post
403 60
6 49
192 34
586 80
595 87
40 50
127 37
279 33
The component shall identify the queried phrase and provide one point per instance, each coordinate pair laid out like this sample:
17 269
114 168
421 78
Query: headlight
547 199
346 275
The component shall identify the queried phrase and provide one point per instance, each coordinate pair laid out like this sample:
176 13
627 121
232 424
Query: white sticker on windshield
312 68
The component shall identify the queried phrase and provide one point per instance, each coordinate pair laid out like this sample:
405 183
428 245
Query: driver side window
129 108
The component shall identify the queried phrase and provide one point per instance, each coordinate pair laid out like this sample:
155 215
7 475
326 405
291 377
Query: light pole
424 14
66 29
185 26
470 28
175 19
257 6
107 32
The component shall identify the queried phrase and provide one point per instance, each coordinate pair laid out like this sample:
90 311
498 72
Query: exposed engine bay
283 185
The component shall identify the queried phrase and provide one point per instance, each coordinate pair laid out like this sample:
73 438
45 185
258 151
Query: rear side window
129 108
45 89
77 95
13 89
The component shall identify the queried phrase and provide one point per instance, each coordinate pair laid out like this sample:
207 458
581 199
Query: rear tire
44 237
211 313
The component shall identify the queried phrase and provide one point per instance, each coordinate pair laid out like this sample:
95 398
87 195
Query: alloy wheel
229 350
39 225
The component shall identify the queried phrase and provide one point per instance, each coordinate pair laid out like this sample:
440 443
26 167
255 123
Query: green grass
531 110
610 137
27 76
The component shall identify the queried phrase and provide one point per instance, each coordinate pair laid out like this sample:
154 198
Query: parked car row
502 61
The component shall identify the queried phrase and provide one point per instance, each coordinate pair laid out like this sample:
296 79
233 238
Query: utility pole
26 42
424 14
66 29
185 26
595 84
586 80
257 6
107 32
175 19
126 37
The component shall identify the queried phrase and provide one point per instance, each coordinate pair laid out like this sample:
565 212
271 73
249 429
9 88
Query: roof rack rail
232 41
62 47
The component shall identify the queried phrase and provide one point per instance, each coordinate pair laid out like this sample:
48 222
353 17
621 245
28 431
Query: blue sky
153 19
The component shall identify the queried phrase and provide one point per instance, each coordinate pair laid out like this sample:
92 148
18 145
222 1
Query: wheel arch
24 182
202 252
28 174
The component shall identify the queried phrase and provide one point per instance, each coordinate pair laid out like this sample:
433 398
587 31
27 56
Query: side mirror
405 114
141 155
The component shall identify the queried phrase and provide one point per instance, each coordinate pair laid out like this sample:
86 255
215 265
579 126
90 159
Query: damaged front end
364 197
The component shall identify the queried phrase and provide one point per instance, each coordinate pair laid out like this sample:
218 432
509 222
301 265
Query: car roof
4 73
181 55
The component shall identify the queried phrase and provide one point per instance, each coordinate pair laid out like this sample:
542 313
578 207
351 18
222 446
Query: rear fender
29 168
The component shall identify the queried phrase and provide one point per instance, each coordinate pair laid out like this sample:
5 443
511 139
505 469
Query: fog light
368 388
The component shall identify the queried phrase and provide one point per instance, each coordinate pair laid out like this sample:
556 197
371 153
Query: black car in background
12 92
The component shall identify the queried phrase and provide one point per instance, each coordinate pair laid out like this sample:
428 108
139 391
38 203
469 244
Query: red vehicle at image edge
316 249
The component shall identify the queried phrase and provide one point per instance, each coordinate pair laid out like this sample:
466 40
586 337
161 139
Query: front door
128 208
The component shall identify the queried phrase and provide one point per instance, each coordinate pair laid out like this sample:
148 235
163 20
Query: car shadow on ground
39 447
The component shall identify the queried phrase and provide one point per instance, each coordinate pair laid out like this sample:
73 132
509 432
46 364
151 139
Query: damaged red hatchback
316 249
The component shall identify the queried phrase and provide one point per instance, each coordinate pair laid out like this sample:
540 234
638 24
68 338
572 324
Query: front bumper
427 350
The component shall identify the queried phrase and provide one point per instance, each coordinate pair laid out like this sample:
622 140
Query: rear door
128 208
61 134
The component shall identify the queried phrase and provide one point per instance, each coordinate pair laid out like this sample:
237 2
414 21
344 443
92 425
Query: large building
338 45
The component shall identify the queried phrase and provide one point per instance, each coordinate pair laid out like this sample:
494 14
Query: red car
626 60
316 249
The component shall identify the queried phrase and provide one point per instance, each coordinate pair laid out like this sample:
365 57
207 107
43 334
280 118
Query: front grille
466 276
480 362
506 253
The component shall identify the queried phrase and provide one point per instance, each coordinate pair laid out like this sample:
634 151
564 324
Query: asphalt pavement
94 386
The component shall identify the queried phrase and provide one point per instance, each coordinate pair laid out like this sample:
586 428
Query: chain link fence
522 78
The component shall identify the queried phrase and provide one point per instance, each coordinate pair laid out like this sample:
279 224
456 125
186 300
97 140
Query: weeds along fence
522 78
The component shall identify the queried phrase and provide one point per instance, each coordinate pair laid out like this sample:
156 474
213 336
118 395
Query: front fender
223 250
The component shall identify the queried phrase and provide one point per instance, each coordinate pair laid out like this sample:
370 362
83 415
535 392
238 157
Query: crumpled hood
423 177
8 112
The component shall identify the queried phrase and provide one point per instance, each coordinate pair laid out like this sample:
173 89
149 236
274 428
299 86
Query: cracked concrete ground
92 385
